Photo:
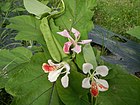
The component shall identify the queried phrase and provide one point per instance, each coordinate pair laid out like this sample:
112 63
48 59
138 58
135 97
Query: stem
91 100
73 55
95 101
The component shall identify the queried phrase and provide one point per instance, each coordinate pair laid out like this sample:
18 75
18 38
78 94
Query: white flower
92 81
55 70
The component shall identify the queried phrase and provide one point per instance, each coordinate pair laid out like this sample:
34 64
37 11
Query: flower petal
67 66
66 47
94 89
52 77
64 33
65 80
77 49
86 83
47 68
102 70
87 67
102 84
85 41
52 64
75 32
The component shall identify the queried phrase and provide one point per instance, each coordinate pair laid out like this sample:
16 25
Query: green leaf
135 32
10 59
29 30
89 55
48 37
124 89
35 7
30 86
18 9
28 27
78 14
5 6
79 60
46 96
74 94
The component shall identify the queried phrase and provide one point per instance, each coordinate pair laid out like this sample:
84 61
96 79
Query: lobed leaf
28 28
78 14
10 59
32 82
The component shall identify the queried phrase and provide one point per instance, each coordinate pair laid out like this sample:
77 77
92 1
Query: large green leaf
28 27
11 59
78 14
135 32
124 89
74 94
30 85
46 96
35 7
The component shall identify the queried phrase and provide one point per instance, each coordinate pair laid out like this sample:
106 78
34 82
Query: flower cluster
76 48
92 81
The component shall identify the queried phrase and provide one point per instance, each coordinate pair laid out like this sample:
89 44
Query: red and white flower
55 70
92 81
76 48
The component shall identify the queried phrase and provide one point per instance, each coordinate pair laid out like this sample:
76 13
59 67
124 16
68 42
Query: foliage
135 32
9 8
122 84
117 16
21 71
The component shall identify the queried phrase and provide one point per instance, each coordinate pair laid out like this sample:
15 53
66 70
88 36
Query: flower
76 48
55 70
92 81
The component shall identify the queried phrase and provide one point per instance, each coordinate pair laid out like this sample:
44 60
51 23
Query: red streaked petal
102 87
66 47
47 68
94 89
102 84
